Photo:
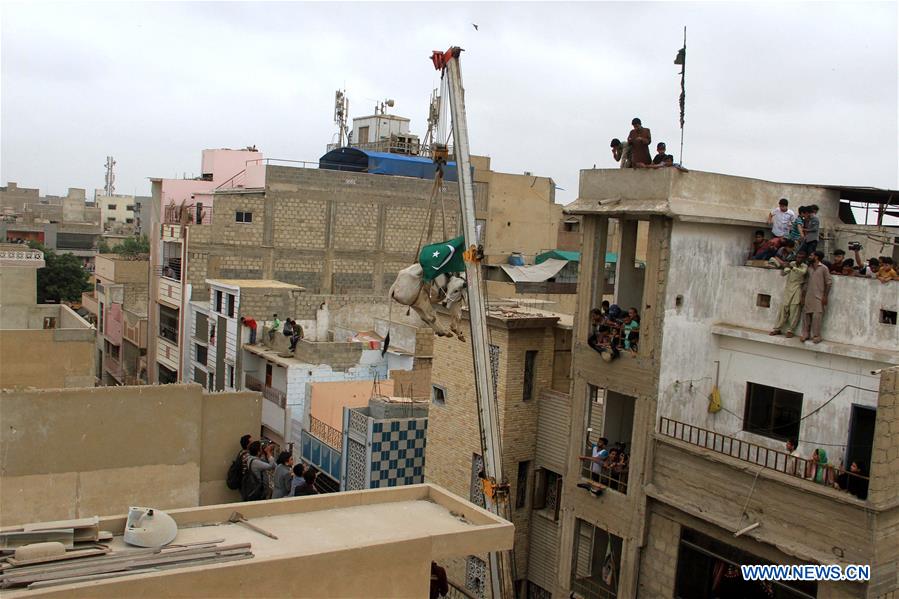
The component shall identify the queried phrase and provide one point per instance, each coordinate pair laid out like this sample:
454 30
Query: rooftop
350 528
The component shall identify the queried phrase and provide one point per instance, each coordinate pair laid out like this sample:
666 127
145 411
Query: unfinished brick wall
227 230
658 562
884 486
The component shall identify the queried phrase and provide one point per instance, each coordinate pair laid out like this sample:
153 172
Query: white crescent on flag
452 251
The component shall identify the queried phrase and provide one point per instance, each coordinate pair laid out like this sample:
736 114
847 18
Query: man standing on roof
639 139
816 291
781 219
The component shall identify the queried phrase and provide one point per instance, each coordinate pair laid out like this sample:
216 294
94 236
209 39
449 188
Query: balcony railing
326 433
609 476
275 396
772 459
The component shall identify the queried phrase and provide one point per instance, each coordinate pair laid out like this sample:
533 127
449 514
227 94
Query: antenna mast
109 188
433 121
341 112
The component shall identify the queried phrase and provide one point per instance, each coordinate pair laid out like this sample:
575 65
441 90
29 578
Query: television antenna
433 120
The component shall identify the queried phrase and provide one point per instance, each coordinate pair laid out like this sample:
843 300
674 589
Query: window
763 300
595 562
100 319
547 493
201 353
530 360
110 219
438 395
521 485
168 323
49 322
475 574
772 412
218 301
243 217
231 300
230 376
130 207
199 377
167 376
888 317
129 221
609 420
111 206
198 216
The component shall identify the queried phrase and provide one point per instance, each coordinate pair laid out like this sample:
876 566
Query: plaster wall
327 400
224 163
82 452
47 359
521 216
18 286
726 292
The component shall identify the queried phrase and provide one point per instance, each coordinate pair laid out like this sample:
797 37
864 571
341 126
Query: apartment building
709 490
530 358
63 224
122 213
41 345
118 306
341 237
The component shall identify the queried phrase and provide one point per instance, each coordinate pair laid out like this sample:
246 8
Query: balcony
275 396
89 302
167 353
326 433
732 485
169 291
171 232
758 455
114 368
853 319
134 329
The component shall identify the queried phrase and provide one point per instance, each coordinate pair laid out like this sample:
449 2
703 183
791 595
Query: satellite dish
148 527
390 103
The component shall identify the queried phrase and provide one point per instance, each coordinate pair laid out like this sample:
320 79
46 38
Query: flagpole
683 95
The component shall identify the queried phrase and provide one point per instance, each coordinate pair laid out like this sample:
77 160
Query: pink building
178 204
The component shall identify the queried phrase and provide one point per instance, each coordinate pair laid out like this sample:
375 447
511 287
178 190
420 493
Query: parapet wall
70 453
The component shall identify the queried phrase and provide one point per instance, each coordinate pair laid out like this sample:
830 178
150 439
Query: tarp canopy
384 163
558 255
534 273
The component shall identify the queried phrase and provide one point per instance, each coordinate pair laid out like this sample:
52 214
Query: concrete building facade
100 450
710 490
118 305
41 345
525 346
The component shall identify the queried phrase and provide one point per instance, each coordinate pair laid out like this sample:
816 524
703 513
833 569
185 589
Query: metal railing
275 396
170 270
325 433
772 459
610 476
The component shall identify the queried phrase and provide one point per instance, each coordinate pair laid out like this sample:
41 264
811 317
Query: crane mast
501 562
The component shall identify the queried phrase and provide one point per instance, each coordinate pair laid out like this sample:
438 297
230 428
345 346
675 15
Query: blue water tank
516 259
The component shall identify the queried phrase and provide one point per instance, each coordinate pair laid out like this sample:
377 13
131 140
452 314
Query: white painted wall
716 288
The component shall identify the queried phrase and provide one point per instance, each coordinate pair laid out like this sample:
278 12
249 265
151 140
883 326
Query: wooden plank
90 561
56 558
110 565
197 562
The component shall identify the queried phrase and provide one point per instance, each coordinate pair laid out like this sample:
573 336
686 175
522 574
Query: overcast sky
801 92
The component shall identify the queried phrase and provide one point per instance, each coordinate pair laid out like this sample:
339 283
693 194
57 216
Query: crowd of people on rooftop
634 153
290 328
793 249
262 475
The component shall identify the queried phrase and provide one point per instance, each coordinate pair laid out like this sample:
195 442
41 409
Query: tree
134 247
62 279
103 247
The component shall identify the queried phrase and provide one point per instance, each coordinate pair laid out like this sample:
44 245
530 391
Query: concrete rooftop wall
95 451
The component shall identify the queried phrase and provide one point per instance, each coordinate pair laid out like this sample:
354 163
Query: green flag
439 258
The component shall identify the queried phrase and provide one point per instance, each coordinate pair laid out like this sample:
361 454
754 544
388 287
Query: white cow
409 289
